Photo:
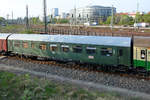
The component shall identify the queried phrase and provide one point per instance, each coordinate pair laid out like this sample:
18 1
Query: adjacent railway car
103 50
142 53
3 42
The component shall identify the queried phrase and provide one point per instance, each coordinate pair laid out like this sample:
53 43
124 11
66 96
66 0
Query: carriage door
120 57
144 56
11 45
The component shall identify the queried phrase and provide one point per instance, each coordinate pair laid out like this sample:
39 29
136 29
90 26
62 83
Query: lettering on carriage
91 57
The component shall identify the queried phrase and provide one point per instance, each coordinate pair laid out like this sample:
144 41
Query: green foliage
53 20
2 19
101 22
27 32
25 87
59 21
126 20
139 18
63 21
12 28
108 21
146 18
35 20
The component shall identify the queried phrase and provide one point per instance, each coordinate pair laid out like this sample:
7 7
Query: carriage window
53 47
65 48
90 50
25 45
32 45
149 53
42 47
106 51
143 54
17 44
77 49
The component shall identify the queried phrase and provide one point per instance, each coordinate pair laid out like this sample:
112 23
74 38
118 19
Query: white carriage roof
4 35
77 39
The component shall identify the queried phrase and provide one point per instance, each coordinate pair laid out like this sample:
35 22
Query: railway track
85 67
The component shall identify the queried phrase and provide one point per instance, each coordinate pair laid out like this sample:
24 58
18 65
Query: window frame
63 47
77 49
17 44
25 45
92 49
143 54
51 47
42 47
106 52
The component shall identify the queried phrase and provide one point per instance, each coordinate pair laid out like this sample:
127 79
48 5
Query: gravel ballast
133 84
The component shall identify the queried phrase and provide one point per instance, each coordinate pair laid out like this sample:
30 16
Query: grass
12 28
25 87
15 29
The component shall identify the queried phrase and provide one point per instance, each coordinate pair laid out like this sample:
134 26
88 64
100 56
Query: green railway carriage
111 51
142 53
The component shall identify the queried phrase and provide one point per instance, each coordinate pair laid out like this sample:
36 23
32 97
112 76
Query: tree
108 21
62 21
146 18
35 20
126 20
117 19
101 21
2 20
138 18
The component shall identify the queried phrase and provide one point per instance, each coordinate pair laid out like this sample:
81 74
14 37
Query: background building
92 14
63 15
55 12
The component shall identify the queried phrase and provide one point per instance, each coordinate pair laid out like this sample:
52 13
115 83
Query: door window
143 54
120 52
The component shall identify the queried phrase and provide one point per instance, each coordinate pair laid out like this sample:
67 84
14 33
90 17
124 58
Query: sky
18 7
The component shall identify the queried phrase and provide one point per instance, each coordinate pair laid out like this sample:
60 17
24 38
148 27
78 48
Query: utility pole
75 15
27 18
112 19
45 16
12 17
7 19
136 19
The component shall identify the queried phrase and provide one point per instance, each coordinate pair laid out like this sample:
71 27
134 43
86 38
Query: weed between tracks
25 87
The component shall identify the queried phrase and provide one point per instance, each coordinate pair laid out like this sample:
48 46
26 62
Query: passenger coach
142 53
101 50
3 42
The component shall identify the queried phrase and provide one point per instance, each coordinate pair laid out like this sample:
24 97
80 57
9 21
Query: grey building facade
91 14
